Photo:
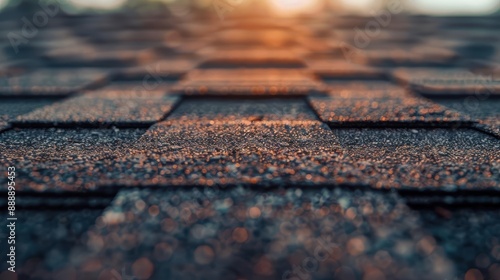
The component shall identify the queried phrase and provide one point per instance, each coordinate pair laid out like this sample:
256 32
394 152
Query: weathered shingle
267 153
254 82
413 56
251 58
11 108
402 111
213 234
220 110
342 69
437 159
103 108
60 160
448 82
51 82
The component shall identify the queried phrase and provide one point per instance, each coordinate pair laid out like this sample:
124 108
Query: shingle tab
239 233
62 160
168 69
88 55
256 82
44 241
270 38
11 108
272 153
342 69
490 125
385 112
154 85
485 111
471 230
414 56
361 85
106 108
448 83
196 110
438 159
56 82
252 58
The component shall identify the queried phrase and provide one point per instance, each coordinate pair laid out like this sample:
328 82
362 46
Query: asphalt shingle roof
193 148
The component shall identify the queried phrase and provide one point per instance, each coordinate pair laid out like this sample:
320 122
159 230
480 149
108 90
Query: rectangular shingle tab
196 110
484 111
152 85
412 56
342 69
405 111
51 82
253 82
61 160
448 83
89 55
47 237
271 38
361 85
475 229
438 159
11 108
361 229
103 108
490 125
168 69
267 153
252 58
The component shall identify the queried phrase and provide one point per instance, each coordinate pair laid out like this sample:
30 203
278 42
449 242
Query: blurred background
285 7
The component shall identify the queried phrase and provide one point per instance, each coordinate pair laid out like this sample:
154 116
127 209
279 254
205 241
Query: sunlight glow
294 6
363 6
3 3
442 7
97 4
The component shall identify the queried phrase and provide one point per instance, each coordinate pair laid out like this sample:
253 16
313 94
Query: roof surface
253 148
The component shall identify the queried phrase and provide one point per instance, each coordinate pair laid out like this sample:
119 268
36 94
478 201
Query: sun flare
294 6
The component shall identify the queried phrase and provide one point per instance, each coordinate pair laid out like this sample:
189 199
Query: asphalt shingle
51 82
44 240
242 180
252 58
89 55
240 37
11 108
490 125
145 86
253 82
213 234
265 153
469 237
168 69
411 56
101 109
448 83
62 160
485 111
402 112
361 85
432 160
342 69
204 110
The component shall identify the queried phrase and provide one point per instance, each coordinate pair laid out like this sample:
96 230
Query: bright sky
455 6
433 7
